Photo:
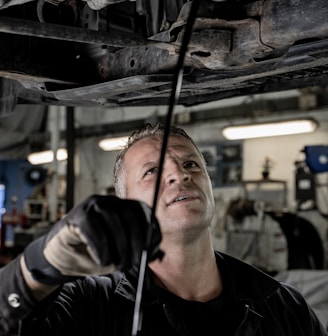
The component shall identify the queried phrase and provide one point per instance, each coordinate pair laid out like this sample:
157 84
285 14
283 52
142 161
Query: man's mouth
180 198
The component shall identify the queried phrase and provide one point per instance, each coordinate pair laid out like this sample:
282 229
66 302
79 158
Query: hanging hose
175 93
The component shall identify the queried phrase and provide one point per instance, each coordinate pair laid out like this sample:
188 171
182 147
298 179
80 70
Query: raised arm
99 236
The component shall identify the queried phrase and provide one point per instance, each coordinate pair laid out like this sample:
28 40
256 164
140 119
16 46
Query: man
191 290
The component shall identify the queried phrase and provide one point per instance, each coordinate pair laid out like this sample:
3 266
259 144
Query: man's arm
39 290
16 298
102 234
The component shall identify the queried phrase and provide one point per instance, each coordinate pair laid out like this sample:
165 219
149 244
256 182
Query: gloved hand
102 234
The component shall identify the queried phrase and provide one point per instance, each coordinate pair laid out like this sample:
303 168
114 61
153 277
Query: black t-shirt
217 316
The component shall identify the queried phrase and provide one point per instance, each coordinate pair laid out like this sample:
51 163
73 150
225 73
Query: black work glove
102 234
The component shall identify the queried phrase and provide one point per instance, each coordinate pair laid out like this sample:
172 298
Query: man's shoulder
246 280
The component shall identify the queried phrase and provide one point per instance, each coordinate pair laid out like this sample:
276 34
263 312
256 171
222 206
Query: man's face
185 196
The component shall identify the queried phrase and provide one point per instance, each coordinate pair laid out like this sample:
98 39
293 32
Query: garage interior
271 192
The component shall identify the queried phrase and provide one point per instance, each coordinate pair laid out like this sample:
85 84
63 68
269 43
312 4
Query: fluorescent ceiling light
112 144
47 156
269 129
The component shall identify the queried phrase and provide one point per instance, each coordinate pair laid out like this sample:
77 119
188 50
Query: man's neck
190 273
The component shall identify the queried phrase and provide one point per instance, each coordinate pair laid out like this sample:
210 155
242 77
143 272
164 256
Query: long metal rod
54 115
70 144
175 93
136 314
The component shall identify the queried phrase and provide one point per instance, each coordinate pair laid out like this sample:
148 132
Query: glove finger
101 226
145 233
154 234
69 252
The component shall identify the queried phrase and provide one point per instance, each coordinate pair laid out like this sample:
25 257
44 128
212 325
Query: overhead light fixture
112 144
47 156
269 129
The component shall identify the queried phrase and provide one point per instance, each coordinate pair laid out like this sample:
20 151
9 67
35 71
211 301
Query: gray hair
144 131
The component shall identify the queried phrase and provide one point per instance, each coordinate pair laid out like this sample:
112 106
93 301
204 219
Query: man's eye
151 171
191 164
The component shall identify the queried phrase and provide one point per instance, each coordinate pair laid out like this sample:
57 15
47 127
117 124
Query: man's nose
176 173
